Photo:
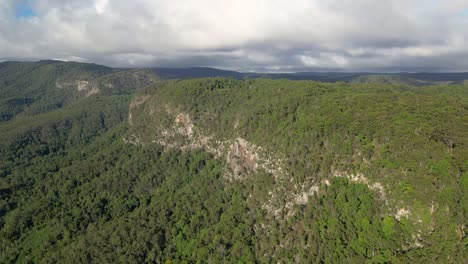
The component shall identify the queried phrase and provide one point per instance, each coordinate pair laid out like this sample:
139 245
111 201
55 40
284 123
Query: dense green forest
223 170
29 88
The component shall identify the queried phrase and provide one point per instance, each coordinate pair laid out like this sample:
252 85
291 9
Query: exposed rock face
360 178
82 86
182 135
286 196
242 158
185 124
132 139
402 212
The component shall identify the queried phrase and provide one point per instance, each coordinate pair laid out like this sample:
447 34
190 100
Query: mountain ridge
424 77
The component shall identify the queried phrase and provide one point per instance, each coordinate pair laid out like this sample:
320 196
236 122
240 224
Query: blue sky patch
25 10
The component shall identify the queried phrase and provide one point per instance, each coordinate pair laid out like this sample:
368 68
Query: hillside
226 170
292 145
30 88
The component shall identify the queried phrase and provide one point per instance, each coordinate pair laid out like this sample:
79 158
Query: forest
130 168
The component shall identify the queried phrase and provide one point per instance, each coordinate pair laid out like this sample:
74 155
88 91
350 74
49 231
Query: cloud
261 35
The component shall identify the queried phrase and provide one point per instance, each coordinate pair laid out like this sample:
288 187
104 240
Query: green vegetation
33 88
79 183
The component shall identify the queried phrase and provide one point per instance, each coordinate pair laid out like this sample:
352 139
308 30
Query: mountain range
200 165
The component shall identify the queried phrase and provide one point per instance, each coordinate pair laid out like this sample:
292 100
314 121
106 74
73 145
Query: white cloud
101 6
268 34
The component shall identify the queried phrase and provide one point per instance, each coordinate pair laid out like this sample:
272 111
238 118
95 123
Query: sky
244 35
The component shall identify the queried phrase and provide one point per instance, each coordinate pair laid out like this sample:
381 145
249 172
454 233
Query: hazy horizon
181 67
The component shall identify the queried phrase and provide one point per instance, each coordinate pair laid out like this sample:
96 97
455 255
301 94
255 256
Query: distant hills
195 72
419 79
29 88
165 73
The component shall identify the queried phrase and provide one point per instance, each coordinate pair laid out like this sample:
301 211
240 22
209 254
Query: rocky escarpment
243 159
286 191
85 87
120 82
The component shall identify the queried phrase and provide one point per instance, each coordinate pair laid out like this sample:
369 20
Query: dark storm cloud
262 35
